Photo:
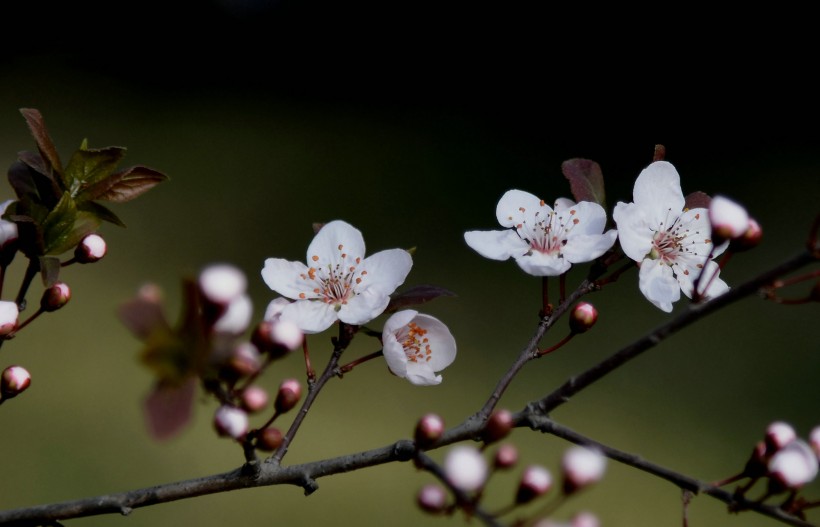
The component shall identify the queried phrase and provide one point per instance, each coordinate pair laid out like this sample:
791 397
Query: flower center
415 343
676 244
334 283
547 235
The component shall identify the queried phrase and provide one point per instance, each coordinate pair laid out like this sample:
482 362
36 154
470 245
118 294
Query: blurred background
408 121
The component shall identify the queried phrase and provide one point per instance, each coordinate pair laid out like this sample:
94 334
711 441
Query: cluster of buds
467 472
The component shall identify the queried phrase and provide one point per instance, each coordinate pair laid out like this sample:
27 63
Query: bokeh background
408 121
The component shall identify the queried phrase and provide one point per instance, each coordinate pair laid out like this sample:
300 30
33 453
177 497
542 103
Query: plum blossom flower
416 346
338 282
544 240
670 244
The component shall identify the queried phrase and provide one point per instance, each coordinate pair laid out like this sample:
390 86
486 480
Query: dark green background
408 122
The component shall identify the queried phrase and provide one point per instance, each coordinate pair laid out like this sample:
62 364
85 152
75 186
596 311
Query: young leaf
31 185
44 143
124 185
89 166
585 180
417 295
100 212
169 408
65 226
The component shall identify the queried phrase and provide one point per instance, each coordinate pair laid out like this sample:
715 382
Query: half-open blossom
729 219
338 282
794 465
417 346
670 244
544 240
465 468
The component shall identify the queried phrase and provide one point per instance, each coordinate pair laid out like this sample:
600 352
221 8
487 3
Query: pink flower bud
55 297
14 381
582 467
814 440
91 249
583 317
244 360
9 315
536 481
432 498
750 239
778 435
729 220
465 468
230 421
498 426
236 318
505 457
585 519
290 391
277 337
222 283
254 399
794 465
428 430
269 439
8 229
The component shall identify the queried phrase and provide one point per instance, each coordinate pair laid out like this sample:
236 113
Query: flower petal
517 206
537 263
441 341
364 307
591 218
657 191
335 243
394 354
658 285
635 232
311 316
386 270
587 247
496 245
284 277
422 375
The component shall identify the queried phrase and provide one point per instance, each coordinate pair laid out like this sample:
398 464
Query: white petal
728 217
398 320
284 277
364 307
275 307
634 230
386 270
588 246
394 354
441 341
562 204
237 317
658 284
591 218
335 239
715 285
540 264
422 375
657 191
517 206
311 316
496 245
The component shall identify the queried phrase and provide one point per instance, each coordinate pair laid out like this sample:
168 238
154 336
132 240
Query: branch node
125 511
404 450
310 485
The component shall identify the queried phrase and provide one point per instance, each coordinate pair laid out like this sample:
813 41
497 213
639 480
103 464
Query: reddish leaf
585 180
697 200
144 313
417 295
44 143
49 270
169 408
124 185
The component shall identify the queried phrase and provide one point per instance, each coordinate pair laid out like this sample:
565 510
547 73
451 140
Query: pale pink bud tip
428 430
794 465
55 297
254 399
9 314
814 440
729 219
465 468
8 229
15 380
230 421
585 519
222 283
432 498
778 435
236 317
287 334
583 317
582 467
290 391
506 456
535 482
91 249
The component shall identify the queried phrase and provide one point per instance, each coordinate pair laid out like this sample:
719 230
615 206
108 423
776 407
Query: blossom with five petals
338 282
544 241
416 346
671 244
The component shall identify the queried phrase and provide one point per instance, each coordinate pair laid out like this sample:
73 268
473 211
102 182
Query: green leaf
124 185
585 180
101 212
44 143
90 166
65 226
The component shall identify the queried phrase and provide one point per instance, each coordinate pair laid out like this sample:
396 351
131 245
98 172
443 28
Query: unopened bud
236 316
91 249
794 465
230 421
729 219
14 381
432 498
506 456
750 239
498 426
290 391
222 283
778 435
269 439
465 468
254 399
8 236
55 297
9 317
582 466
583 317
535 481
428 430
277 337
244 360
585 519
